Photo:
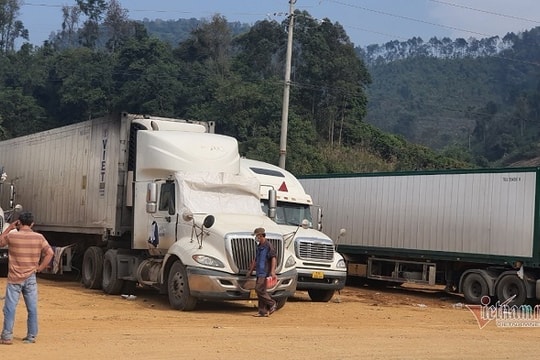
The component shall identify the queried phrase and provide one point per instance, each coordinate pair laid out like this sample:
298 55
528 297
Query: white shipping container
486 213
69 176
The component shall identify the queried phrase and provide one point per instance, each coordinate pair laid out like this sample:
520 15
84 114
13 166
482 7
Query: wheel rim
178 285
476 289
511 290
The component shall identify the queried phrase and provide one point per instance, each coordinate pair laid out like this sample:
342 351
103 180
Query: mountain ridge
444 48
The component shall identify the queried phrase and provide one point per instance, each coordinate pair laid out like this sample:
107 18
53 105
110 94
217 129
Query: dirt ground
360 322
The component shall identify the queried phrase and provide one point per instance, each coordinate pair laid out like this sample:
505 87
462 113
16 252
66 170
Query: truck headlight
341 264
208 261
290 261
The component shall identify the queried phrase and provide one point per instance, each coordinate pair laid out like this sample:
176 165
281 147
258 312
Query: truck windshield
225 193
290 213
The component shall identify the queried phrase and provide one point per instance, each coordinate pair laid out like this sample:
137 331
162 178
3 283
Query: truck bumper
215 285
311 279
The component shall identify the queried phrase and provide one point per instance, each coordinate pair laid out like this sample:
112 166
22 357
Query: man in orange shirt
26 248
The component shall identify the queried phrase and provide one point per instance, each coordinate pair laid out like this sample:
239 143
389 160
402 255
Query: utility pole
286 90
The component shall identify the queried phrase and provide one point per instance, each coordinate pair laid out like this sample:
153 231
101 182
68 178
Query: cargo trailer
474 231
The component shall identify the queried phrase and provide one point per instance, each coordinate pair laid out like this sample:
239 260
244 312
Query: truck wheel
320 295
509 286
111 284
178 288
92 268
280 303
475 288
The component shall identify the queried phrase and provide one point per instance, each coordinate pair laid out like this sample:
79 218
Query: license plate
317 275
252 294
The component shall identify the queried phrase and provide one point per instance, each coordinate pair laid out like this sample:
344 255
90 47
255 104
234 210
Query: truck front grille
244 249
311 250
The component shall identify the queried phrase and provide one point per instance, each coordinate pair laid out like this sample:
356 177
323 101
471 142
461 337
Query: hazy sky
365 21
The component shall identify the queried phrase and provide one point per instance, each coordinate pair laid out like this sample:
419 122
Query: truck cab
321 270
194 213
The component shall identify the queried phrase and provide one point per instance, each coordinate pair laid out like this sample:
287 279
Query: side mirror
272 203
319 218
342 233
11 196
209 221
151 198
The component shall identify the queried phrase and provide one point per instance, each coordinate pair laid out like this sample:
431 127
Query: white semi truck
321 270
477 232
136 200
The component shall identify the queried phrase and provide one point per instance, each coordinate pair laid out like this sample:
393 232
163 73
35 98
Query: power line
148 10
408 18
485 11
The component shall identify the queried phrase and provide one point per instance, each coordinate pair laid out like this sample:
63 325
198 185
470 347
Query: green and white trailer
475 231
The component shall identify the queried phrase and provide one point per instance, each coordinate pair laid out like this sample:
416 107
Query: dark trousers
265 301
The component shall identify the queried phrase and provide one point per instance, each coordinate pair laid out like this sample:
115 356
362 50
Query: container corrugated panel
488 213
68 177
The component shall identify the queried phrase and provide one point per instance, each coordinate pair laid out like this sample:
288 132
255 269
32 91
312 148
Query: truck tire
92 268
110 283
511 285
318 295
474 288
178 288
280 303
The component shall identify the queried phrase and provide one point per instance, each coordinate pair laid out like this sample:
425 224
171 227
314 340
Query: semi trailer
474 231
132 200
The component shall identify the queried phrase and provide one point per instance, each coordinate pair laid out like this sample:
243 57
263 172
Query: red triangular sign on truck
283 187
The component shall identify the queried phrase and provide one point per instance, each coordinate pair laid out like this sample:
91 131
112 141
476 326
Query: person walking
264 265
26 248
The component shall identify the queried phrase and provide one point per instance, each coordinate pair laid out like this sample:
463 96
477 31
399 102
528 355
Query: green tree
209 44
84 84
329 79
94 11
10 28
260 52
70 26
146 77
20 113
119 27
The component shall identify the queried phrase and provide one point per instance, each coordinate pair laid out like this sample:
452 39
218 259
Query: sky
365 21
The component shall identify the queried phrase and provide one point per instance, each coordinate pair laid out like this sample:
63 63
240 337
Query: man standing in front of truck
25 250
265 265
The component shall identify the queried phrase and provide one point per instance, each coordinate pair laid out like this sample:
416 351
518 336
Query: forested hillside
101 61
481 102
